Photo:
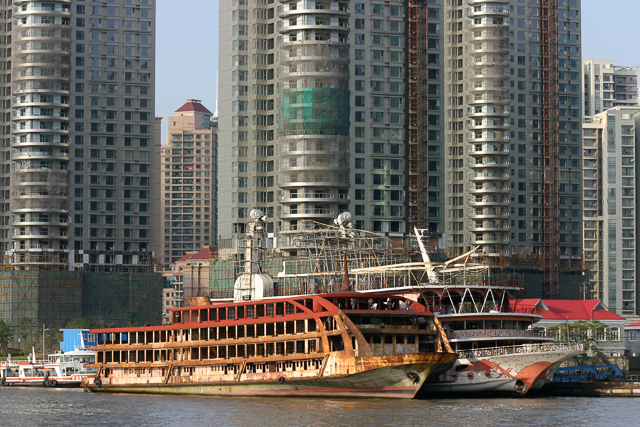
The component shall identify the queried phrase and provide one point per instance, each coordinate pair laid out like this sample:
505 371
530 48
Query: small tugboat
341 344
62 369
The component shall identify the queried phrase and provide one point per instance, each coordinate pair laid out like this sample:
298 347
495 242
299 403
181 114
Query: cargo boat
339 344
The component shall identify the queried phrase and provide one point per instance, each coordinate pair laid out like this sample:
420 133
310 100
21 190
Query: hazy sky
187 55
187 46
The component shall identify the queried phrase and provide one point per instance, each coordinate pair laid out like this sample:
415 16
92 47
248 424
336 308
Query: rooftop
207 253
194 105
563 309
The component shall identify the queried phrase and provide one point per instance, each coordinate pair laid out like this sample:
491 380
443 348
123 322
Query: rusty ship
501 351
338 344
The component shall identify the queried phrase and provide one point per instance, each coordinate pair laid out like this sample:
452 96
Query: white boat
56 370
500 351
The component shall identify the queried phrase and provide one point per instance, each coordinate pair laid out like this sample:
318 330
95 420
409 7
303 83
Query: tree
23 329
585 332
6 335
52 339
81 323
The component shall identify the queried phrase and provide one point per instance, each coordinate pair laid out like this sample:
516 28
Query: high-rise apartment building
513 116
82 98
78 97
468 110
316 115
607 86
610 222
188 177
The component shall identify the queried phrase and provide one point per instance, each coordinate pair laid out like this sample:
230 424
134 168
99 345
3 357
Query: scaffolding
418 98
550 125
109 294
339 258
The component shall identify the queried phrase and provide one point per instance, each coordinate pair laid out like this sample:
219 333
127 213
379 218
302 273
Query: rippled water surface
21 406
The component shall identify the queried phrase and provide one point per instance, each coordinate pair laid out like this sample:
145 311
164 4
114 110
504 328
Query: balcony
489 201
485 189
490 240
309 212
312 197
307 9
490 213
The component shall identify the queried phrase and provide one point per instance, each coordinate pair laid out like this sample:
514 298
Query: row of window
112 24
112 167
113 233
112 206
113 219
111 36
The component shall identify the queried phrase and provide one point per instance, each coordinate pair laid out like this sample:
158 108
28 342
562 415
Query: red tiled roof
194 106
637 324
206 253
562 309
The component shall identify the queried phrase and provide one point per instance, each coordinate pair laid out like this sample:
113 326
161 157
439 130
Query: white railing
519 349
500 333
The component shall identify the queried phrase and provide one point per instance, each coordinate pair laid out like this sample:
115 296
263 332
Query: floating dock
593 389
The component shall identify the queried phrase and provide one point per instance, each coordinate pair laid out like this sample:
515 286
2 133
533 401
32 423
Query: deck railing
500 333
519 349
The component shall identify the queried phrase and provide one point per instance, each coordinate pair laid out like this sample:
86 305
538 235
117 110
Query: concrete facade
607 86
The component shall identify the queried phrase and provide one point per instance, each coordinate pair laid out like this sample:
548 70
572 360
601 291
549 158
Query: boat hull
393 381
73 381
507 374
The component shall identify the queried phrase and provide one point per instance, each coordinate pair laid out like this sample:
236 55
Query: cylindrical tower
488 125
40 132
313 118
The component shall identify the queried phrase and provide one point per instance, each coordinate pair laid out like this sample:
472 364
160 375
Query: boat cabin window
474 325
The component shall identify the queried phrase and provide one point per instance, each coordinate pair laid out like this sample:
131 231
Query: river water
23 406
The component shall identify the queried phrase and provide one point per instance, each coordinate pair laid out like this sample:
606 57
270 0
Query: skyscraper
464 118
315 113
610 203
188 172
513 115
78 88
82 131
